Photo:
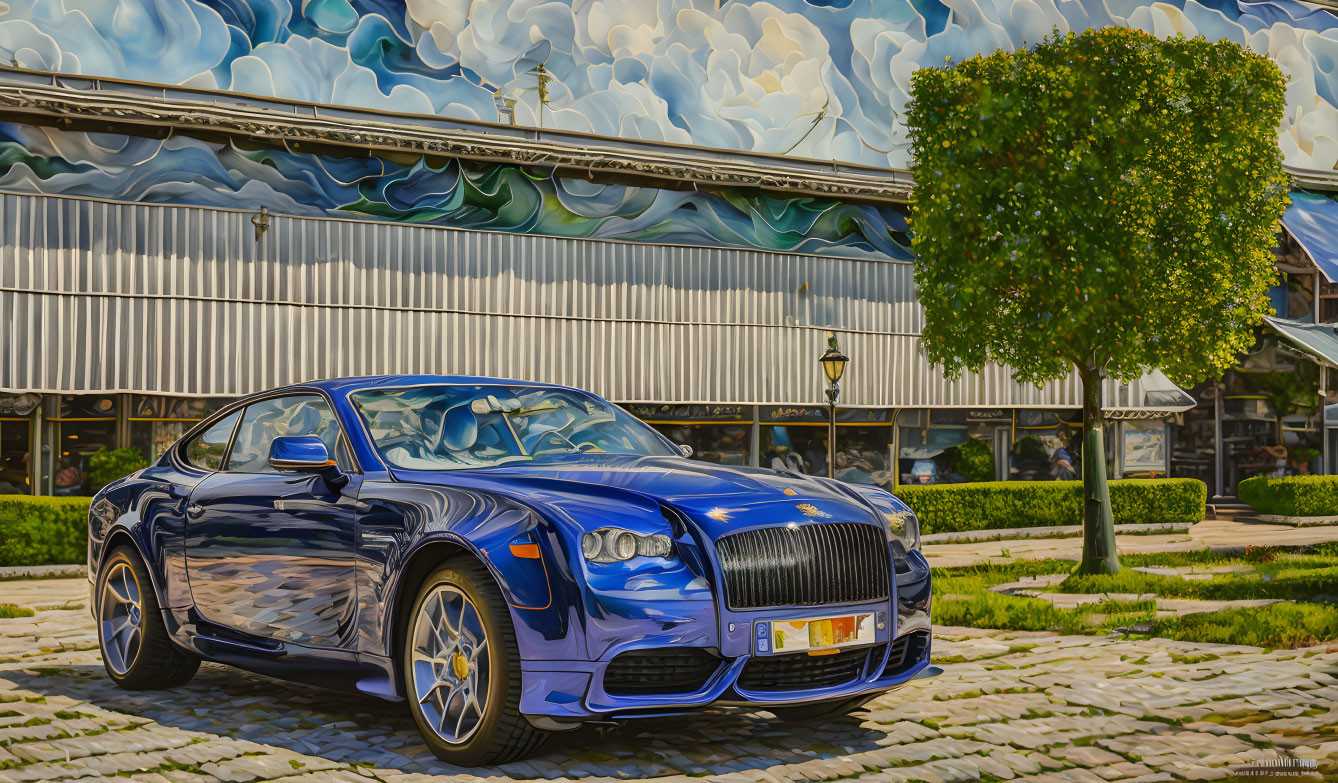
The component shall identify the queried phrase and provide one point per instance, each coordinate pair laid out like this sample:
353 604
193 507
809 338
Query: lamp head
833 361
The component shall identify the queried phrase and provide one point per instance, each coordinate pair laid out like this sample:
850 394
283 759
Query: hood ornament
810 510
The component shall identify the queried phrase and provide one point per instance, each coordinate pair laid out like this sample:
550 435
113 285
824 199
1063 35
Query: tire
803 713
137 651
438 670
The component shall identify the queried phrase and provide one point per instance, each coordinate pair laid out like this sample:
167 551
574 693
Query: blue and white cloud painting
823 79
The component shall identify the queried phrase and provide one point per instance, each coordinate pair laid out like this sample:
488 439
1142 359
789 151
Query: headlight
904 527
615 544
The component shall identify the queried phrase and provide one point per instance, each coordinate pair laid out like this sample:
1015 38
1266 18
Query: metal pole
831 436
832 392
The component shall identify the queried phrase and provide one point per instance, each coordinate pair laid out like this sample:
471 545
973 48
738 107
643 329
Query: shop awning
1312 220
1162 396
1317 340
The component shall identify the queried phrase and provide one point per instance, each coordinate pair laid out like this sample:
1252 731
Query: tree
1104 203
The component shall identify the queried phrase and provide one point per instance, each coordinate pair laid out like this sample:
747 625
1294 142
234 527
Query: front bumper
557 693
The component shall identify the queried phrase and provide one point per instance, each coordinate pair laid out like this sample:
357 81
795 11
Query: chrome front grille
805 565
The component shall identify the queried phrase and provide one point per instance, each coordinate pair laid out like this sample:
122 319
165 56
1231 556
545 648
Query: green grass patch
1012 613
1277 626
1291 584
10 610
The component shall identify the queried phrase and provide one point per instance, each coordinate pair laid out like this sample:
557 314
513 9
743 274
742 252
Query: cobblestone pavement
1009 706
1209 533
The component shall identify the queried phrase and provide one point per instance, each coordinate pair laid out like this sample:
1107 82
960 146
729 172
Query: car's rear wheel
802 713
136 649
461 669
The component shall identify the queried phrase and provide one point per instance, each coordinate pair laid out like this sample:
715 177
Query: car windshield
449 427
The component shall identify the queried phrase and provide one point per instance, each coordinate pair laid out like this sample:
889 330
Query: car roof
338 386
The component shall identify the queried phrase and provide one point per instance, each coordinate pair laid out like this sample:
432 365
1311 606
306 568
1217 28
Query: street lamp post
833 366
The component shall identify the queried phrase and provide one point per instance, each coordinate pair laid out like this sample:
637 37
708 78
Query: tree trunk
1098 522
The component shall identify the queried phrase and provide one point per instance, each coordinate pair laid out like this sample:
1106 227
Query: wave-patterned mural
183 170
825 79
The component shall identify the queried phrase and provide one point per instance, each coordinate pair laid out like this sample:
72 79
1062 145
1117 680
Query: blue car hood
718 498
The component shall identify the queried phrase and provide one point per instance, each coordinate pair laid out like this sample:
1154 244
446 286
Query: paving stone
1085 711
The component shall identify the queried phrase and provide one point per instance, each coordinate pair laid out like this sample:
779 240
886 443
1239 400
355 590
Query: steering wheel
557 440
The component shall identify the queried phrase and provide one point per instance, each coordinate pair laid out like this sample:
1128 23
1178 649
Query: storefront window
158 422
15 456
83 424
1046 446
952 446
716 433
794 439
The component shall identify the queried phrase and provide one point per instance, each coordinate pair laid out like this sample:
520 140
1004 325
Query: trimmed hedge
993 505
1291 496
37 530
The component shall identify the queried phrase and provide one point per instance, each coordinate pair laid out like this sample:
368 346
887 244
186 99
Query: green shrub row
1291 496
991 505
38 530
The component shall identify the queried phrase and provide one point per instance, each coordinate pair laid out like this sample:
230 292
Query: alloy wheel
449 663
121 618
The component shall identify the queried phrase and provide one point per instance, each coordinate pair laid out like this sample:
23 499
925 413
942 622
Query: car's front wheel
136 649
461 669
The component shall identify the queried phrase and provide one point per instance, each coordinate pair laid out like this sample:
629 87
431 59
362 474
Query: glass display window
952 446
799 444
83 424
157 422
1046 445
15 456
715 433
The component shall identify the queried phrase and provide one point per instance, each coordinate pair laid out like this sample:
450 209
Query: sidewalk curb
43 571
1051 531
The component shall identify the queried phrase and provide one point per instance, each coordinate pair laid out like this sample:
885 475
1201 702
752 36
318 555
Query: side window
206 449
268 419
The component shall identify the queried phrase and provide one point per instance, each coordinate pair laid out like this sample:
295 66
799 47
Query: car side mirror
305 454
685 449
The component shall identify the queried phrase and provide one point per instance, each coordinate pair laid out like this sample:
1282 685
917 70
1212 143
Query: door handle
194 510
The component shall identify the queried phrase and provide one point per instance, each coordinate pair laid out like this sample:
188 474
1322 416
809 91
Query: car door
270 553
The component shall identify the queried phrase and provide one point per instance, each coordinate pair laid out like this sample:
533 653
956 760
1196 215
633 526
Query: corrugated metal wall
98 296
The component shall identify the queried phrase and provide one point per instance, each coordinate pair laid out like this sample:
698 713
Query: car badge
812 511
718 514
789 492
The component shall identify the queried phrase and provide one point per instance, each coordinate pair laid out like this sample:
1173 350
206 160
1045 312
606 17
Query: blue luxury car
510 558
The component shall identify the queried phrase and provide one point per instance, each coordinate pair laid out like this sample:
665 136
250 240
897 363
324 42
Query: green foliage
1276 626
1291 585
38 530
972 460
10 611
105 466
1292 496
1106 197
963 597
994 610
950 508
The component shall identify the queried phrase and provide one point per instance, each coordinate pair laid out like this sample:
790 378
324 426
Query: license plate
822 633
